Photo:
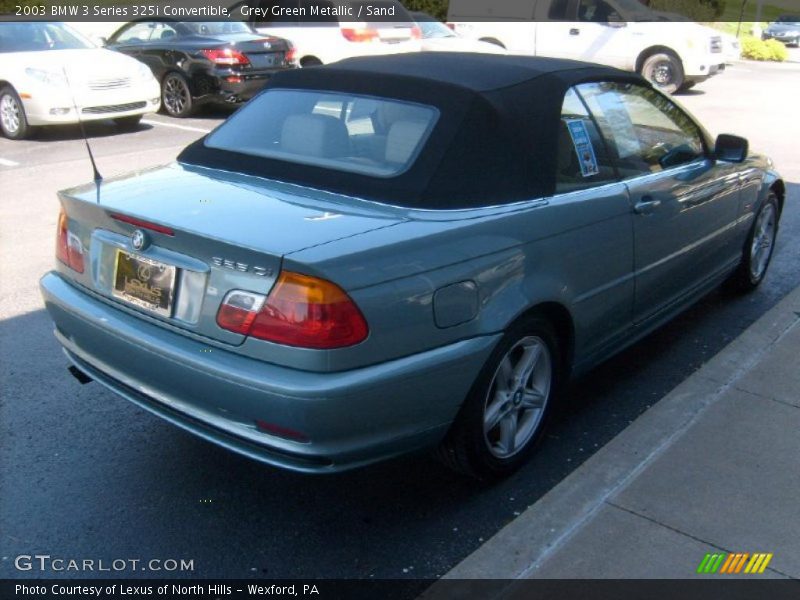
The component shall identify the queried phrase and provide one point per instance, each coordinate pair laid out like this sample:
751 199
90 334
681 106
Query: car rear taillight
225 56
239 310
302 311
69 249
291 55
363 34
416 33
451 26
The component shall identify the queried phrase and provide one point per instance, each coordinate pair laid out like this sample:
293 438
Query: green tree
435 8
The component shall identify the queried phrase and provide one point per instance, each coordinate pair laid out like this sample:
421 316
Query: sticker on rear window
583 147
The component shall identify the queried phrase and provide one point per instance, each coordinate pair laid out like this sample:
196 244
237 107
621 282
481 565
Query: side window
558 10
582 161
163 31
646 131
597 11
138 33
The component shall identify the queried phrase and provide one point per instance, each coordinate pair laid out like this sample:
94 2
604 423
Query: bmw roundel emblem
139 239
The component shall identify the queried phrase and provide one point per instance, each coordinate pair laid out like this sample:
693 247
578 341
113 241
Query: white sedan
50 74
438 37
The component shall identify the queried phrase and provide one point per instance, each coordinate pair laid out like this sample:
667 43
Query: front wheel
506 412
758 248
13 121
664 71
176 97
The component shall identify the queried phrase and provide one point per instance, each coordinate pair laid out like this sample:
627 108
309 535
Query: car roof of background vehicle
493 143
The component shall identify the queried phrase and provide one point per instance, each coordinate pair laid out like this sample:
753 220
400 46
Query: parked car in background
438 37
404 252
199 62
785 28
51 75
331 37
620 33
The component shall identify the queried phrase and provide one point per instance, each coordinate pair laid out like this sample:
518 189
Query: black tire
476 448
310 61
128 123
13 121
176 96
754 266
687 85
665 71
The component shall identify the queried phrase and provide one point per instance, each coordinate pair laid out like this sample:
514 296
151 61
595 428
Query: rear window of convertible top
372 136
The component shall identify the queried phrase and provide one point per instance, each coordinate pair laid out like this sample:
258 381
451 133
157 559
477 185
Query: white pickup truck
621 33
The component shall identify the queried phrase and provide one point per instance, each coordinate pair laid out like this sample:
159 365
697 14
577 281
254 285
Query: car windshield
216 27
432 29
34 37
789 19
358 134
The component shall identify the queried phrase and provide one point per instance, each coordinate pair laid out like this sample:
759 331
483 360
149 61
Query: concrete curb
518 549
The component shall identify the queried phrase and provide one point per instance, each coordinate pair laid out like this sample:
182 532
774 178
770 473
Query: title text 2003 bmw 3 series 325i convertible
403 252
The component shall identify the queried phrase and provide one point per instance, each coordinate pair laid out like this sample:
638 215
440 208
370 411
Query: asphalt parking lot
88 475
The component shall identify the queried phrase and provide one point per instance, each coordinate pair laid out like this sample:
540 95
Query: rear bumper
350 418
232 87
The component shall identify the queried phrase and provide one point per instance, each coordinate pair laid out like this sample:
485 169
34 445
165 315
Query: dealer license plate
144 282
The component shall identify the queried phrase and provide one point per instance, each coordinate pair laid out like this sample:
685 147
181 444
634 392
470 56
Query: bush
756 49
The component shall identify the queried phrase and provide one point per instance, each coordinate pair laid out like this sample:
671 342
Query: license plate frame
156 294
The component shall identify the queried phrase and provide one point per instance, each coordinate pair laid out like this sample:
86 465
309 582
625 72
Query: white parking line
8 163
174 126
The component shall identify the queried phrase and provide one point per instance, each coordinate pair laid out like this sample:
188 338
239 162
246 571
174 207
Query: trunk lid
207 232
263 52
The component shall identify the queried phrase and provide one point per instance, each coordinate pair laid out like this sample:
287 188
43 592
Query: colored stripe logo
725 563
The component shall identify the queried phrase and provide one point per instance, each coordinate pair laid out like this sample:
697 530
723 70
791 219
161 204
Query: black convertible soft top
494 141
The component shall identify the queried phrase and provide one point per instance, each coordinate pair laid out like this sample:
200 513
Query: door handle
574 31
646 205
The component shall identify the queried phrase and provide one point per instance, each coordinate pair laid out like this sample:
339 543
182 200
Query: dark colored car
786 29
199 62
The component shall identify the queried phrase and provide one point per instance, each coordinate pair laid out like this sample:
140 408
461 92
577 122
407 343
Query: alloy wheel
517 397
176 95
662 73
763 242
9 114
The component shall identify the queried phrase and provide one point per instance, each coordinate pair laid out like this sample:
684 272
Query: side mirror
100 40
731 148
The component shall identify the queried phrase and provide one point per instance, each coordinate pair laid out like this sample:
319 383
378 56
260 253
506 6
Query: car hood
245 211
81 64
457 44
783 27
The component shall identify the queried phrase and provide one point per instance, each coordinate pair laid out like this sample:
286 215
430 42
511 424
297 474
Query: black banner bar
288 12
541 589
